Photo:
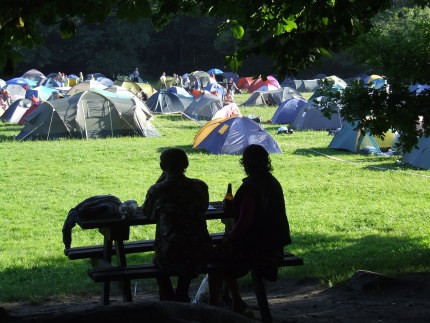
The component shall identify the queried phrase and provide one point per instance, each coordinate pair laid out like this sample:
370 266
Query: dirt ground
367 297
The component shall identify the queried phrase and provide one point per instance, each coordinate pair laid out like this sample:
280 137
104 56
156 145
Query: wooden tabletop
215 211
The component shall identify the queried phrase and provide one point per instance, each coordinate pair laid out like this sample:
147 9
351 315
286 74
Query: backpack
92 207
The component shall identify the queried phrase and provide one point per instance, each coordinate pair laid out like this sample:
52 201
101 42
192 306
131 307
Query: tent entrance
98 118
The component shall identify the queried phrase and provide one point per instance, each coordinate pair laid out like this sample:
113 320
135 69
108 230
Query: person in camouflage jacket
182 243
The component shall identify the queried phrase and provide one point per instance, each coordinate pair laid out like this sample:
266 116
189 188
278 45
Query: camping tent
244 82
169 82
204 107
49 82
137 87
179 90
419 156
86 86
34 75
89 114
232 135
204 77
216 89
16 91
42 93
355 140
274 97
266 84
311 117
338 83
19 81
166 102
288 110
227 111
233 75
306 85
215 70
16 110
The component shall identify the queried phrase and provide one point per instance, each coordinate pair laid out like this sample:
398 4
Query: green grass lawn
346 211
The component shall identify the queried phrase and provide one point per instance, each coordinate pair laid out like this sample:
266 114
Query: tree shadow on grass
330 258
189 150
381 163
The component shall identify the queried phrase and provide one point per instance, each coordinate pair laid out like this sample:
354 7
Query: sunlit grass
346 212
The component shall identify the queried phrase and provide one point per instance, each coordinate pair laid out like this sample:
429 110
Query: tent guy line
375 167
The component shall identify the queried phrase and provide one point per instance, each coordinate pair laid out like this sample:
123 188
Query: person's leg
182 287
238 305
215 287
165 288
226 296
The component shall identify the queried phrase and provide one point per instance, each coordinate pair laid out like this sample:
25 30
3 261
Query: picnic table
116 231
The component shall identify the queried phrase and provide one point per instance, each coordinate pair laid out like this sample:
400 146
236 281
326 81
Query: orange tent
244 82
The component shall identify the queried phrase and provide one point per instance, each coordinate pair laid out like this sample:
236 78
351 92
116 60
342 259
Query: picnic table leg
125 285
260 294
107 255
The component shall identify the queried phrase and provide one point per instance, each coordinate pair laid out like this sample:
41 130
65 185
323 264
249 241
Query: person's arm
148 206
246 217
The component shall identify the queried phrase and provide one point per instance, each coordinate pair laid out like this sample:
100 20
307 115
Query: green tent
89 114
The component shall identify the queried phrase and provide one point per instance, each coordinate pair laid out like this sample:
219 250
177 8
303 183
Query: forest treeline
117 47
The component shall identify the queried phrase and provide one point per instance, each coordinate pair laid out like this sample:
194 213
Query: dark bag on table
92 207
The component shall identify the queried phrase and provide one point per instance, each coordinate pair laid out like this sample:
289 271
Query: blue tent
41 92
232 135
179 90
288 110
218 88
216 71
18 80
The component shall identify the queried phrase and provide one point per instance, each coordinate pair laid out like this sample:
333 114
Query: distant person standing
5 95
212 79
81 77
187 83
232 86
196 84
136 75
163 81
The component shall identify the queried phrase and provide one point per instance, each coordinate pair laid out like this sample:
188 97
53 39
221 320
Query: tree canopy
397 44
291 33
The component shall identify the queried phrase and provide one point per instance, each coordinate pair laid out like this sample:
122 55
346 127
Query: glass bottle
227 205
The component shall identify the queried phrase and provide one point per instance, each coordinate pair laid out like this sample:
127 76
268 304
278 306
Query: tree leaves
237 30
67 29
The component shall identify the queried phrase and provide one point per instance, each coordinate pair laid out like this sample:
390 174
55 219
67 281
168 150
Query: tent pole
50 124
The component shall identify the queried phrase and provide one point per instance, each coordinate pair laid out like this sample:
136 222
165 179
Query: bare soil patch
367 297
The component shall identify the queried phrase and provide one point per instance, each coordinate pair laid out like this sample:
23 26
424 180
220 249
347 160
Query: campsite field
346 211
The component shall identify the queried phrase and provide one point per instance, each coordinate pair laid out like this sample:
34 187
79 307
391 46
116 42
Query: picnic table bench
117 230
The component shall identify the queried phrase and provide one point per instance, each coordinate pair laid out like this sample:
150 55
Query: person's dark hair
256 160
174 160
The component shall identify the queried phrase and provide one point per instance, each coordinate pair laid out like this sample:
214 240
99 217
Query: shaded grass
345 211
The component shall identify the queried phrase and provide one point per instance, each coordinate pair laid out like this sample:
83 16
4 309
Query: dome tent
288 110
89 114
419 156
204 107
166 102
357 141
232 135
